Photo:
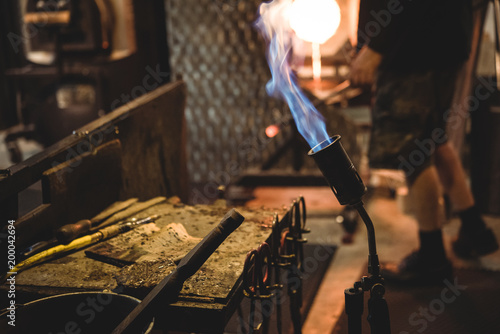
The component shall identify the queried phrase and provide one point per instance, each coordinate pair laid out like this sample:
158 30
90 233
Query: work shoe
473 244
414 270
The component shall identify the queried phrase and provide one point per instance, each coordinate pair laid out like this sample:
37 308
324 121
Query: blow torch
346 184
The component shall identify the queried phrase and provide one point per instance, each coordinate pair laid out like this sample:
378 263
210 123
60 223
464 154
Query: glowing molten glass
314 20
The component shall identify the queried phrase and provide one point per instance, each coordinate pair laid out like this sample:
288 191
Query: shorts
409 118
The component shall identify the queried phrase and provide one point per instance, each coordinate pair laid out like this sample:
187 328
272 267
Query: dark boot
428 265
414 269
471 244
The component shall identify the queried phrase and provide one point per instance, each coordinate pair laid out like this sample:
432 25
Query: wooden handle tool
70 232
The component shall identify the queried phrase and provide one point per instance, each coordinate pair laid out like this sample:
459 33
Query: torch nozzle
338 170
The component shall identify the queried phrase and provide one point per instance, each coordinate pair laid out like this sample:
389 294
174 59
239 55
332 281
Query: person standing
411 52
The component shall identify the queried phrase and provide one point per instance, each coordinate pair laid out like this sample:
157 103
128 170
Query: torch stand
348 187
378 312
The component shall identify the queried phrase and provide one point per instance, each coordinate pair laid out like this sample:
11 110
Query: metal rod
373 263
169 288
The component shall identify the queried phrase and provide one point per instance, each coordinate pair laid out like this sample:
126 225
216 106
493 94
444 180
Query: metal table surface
208 298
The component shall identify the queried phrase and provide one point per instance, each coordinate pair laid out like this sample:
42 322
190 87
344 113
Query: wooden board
151 129
76 189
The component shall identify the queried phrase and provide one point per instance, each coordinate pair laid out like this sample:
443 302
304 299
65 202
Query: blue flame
275 28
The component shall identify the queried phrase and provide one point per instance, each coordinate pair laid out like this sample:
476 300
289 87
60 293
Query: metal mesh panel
221 57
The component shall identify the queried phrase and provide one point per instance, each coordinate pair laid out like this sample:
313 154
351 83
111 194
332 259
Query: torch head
338 170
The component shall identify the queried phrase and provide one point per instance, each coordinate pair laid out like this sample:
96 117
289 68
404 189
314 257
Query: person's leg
452 177
428 264
474 238
425 193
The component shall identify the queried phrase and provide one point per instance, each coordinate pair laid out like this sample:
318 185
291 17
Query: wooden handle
131 210
168 289
69 232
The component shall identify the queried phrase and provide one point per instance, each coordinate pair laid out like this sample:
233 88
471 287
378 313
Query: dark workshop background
212 46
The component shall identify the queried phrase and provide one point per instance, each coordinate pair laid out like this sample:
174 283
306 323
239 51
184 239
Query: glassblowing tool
115 213
102 234
69 232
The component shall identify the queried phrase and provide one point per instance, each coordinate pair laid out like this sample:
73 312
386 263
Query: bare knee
446 152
